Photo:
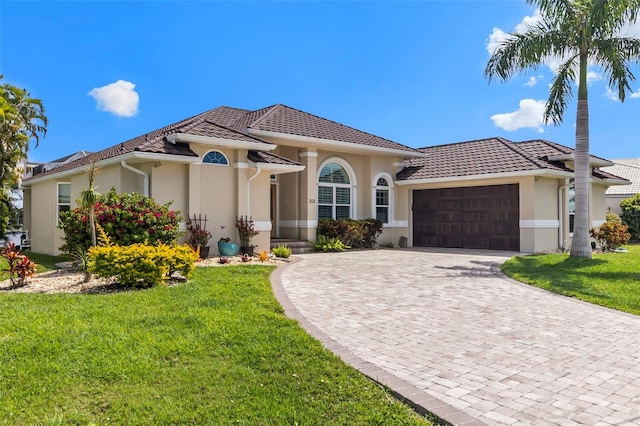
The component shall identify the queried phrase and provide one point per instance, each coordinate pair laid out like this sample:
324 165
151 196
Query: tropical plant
19 266
246 229
580 33
611 235
89 197
281 251
324 243
264 255
22 120
199 236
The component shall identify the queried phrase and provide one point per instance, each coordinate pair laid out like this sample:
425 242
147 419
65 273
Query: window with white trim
215 157
334 192
63 199
382 200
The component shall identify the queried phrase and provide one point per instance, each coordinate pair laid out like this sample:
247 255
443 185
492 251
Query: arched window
334 192
215 157
382 200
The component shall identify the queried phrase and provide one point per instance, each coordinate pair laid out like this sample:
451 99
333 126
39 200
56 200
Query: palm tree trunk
580 246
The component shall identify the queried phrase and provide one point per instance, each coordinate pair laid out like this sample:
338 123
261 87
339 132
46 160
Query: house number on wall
312 201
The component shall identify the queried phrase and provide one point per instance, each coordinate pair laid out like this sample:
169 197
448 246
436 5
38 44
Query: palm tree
22 119
580 33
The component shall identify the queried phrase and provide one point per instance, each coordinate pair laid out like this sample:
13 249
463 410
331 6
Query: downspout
145 184
561 214
255 175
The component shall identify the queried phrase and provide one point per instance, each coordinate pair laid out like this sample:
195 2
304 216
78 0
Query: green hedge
356 233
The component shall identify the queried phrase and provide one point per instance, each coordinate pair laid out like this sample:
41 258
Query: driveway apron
448 332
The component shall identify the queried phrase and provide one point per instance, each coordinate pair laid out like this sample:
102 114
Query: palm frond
561 91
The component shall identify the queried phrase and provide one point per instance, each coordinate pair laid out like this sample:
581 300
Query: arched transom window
334 192
215 157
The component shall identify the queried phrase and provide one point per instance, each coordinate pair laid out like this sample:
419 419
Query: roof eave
541 172
309 141
220 142
593 162
135 155
278 169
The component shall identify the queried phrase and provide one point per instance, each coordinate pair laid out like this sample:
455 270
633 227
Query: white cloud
593 76
495 39
498 36
118 98
528 21
611 94
635 94
533 81
529 115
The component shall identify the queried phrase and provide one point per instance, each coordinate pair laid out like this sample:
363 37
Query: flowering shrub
141 265
126 218
611 235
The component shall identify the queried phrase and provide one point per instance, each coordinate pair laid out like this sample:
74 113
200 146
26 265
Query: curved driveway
448 332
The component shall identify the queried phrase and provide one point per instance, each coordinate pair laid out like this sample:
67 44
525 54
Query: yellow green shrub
140 265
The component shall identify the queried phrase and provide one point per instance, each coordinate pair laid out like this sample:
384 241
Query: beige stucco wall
612 202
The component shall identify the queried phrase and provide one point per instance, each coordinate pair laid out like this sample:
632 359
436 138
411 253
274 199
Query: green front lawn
217 350
609 279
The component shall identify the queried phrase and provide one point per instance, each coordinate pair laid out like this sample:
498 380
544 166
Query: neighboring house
287 168
628 168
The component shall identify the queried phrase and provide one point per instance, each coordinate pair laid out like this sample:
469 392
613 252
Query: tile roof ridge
460 143
213 123
267 110
563 148
523 152
344 125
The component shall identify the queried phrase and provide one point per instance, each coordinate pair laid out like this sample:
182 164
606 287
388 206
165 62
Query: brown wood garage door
482 217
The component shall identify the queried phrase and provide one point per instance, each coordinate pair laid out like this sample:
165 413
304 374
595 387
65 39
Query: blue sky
411 72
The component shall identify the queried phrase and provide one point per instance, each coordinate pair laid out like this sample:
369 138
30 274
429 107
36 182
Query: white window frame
386 176
58 203
216 164
352 185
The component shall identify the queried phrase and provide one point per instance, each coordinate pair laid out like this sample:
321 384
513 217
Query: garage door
481 217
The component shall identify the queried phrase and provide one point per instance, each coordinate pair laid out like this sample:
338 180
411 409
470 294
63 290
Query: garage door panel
483 217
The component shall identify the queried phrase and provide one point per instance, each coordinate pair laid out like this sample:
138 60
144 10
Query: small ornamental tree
126 218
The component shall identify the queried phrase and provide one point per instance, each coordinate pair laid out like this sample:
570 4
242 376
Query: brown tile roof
544 148
235 124
478 157
283 119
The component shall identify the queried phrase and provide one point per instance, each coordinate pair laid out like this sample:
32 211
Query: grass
609 279
217 350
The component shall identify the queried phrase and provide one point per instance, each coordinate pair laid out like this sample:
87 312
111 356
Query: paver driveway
447 330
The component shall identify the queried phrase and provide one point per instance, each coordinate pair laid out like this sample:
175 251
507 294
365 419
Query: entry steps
296 246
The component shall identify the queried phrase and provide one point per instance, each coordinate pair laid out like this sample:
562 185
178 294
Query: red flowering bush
126 218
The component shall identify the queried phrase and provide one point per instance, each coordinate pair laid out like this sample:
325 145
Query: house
628 168
287 168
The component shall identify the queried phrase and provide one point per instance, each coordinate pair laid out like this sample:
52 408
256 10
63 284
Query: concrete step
296 246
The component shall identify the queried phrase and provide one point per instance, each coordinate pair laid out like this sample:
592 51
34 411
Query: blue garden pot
227 249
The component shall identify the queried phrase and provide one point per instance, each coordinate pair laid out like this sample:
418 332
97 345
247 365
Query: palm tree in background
22 119
580 33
